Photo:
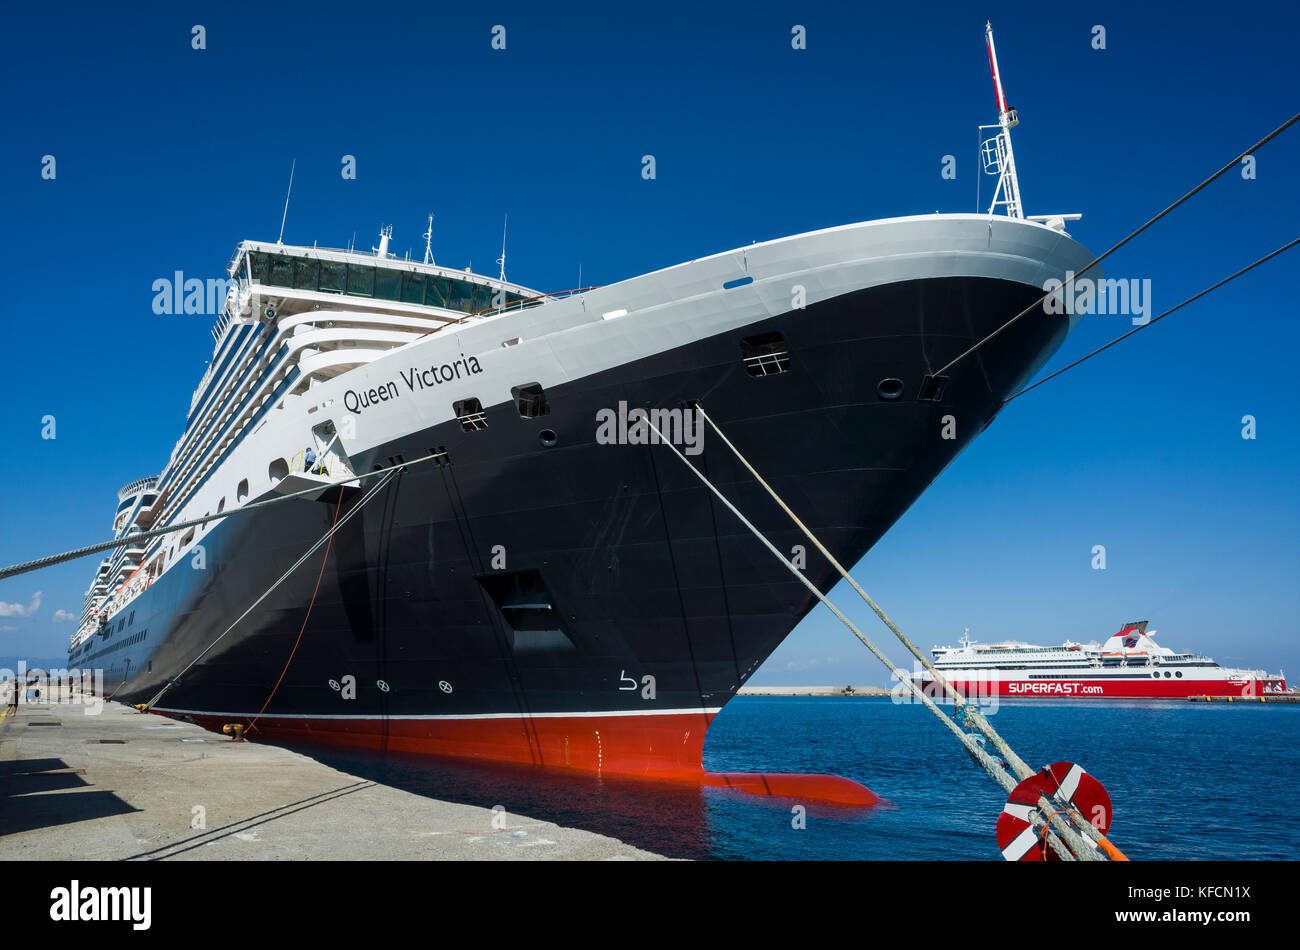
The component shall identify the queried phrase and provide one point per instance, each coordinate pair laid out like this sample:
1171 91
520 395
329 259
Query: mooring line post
1069 846
970 714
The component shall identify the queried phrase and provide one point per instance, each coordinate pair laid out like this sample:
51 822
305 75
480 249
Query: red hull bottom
665 748
1122 689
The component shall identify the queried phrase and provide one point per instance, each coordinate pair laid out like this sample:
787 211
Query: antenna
428 241
996 152
502 259
385 233
280 239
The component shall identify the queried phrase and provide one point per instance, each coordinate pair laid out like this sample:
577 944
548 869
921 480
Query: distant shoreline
813 691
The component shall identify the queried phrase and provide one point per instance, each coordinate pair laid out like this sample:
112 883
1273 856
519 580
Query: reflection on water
1188 781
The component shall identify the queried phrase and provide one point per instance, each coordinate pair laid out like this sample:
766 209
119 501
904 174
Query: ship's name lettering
415 379
1043 687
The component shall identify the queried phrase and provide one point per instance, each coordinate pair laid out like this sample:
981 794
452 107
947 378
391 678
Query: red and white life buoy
1072 787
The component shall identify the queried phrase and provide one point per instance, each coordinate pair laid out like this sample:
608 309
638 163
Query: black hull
650 575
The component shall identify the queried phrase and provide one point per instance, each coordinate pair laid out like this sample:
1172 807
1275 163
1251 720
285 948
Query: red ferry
1129 665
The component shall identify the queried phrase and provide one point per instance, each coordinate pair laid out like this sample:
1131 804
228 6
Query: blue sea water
1188 781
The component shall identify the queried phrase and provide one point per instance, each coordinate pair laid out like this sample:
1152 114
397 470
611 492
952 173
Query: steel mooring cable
970 714
334 528
1131 235
1070 846
1178 306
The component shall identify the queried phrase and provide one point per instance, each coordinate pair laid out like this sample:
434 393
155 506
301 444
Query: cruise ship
1129 665
424 539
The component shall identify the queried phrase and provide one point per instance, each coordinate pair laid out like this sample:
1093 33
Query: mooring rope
307 616
1097 260
1073 846
1125 336
970 714
334 528
51 560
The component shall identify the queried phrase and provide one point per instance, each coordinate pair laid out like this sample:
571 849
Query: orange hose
303 628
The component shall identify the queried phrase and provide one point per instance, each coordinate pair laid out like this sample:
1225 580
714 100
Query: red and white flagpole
1007 119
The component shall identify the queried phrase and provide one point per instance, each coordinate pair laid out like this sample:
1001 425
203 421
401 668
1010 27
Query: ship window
305 274
189 536
333 277
470 415
277 470
221 505
413 288
481 298
258 266
435 291
387 283
1178 673
131 619
1168 674
765 354
462 294
281 274
242 492
361 280
530 399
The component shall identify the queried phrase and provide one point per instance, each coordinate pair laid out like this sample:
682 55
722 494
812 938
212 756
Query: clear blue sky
167 157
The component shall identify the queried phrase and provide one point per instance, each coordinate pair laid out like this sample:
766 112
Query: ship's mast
502 259
998 156
428 242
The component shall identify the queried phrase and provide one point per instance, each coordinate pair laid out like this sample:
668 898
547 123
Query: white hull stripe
1021 844
1017 810
708 711
1070 784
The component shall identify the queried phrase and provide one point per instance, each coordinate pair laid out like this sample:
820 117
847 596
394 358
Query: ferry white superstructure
1129 665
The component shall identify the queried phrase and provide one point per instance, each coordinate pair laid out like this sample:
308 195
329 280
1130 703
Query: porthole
547 437
890 388
1168 674
1178 673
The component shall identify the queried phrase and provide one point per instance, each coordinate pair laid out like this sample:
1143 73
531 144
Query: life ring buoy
1060 782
